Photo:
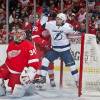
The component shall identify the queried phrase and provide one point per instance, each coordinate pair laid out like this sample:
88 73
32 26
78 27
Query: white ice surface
54 94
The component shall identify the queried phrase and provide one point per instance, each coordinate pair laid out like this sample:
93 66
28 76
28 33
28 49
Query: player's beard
59 24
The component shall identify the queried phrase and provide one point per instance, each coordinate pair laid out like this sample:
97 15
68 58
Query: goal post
61 73
81 65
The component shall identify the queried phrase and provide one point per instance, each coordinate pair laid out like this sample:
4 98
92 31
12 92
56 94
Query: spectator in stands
24 12
31 18
97 21
73 21
67 4
83 26
18 11
2 16
24 2
82 14
69 14
2 4
11 35
2 34
92 29
12 5
98 33
27 26
91 5
75 6
1 39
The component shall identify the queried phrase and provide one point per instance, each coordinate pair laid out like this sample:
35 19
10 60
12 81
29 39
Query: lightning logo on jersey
58 35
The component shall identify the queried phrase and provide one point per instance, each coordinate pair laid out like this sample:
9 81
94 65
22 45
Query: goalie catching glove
27 75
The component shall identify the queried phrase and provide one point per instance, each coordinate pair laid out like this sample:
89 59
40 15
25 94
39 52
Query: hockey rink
54 94
37 97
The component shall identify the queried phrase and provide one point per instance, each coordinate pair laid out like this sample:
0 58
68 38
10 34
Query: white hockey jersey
59 40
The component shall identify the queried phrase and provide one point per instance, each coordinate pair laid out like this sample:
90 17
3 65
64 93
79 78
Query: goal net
89 79
85 51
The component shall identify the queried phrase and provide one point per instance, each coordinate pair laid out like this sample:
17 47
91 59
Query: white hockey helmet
62 16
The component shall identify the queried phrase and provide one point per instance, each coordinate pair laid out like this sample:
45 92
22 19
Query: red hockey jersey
21 55
37 35
37 29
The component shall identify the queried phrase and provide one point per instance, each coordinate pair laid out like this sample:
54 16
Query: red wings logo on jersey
13 53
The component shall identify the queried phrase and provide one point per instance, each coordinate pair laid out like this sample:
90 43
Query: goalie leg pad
19 91
2 88
2 91
30 90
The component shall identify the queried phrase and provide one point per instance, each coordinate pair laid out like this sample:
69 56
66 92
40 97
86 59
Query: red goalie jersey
21 55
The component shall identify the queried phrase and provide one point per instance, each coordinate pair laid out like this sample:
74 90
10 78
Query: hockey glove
27 75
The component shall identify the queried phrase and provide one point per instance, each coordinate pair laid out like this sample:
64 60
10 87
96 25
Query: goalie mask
19 35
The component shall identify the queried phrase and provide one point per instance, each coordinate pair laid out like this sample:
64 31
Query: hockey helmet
19 35
62 16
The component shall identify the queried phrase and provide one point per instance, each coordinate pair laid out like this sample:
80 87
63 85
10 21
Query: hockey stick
61 73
